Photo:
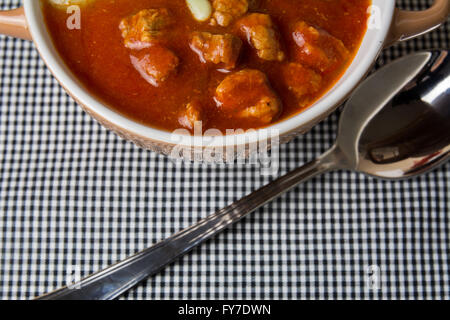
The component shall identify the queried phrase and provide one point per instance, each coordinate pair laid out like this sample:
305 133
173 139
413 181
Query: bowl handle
409 24
13 23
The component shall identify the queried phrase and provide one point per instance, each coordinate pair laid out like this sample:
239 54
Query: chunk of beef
143 28
225 11
265 110
248 94
155 64
217 48
261 34
302 81
318 49
190 115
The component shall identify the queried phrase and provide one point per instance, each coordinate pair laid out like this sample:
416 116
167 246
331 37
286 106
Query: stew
243 64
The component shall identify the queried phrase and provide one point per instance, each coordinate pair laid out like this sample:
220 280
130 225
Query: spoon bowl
396 124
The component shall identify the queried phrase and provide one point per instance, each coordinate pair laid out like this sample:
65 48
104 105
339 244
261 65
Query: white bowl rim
329 101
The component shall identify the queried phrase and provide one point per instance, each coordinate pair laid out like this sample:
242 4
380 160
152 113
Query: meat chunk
265 110
143 28
155 64
190 115
225 11
261 34
217 48
302 81
248 94
318 49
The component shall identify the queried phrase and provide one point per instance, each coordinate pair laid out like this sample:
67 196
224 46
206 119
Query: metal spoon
396 125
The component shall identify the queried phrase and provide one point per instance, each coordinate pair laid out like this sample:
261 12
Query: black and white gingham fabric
75 198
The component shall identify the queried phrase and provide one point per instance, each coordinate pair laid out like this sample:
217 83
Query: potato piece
248 94
221 49
318 49
200 9
155 64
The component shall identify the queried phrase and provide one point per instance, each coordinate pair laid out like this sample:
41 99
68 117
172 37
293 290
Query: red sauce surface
97 56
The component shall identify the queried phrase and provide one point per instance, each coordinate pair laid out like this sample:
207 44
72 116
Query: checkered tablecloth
75 198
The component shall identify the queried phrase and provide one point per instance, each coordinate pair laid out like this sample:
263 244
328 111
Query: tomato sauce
97 56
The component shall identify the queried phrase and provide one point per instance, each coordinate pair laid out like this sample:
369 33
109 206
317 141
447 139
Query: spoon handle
118 278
